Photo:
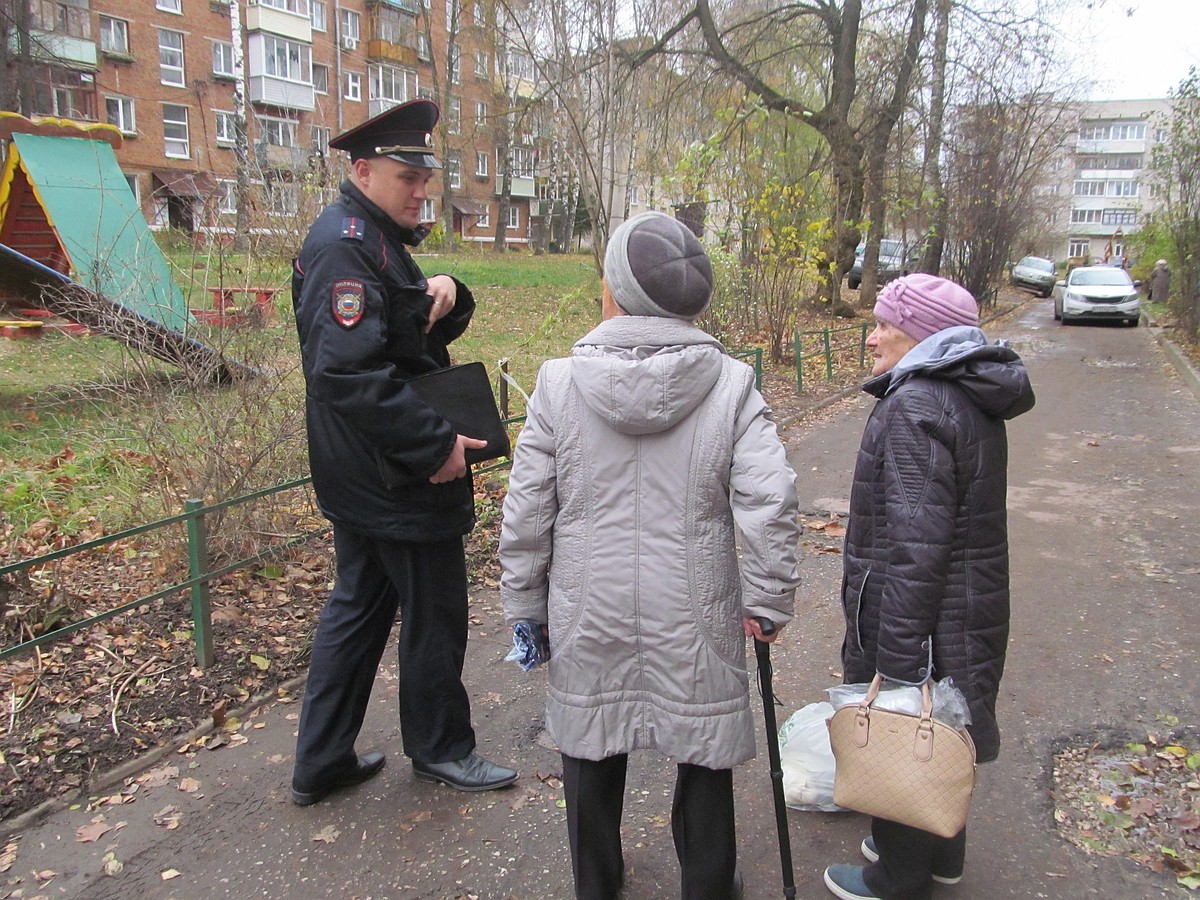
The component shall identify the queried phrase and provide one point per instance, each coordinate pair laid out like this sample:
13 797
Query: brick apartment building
164 72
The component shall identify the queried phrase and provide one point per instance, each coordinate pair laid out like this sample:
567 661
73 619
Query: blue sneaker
872 855
847 882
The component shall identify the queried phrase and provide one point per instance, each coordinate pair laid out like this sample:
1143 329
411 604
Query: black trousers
908 857
702 824
427 583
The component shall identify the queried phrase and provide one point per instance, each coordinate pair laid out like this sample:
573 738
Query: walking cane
762 650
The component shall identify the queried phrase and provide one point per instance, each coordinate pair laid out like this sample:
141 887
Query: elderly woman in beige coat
642 455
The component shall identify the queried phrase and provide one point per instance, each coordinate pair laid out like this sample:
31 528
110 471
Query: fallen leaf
190 785
261 661
327 835
111 865
168 874
93 831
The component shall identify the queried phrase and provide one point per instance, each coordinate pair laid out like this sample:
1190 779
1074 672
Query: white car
1097 293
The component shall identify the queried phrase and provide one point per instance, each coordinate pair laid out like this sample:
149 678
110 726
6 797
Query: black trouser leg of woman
908 857
702 823
595 795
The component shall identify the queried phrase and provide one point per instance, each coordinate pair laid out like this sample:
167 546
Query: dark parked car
894 260
1035 273
1098 292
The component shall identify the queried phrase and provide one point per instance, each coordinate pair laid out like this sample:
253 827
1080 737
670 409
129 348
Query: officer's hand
753 628
455 465
444 292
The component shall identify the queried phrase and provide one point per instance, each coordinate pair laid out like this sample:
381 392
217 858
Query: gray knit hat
654 266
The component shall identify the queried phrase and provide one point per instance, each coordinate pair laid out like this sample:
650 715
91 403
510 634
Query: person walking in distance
388 471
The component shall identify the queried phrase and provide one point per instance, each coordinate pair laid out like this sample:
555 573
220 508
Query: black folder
462 395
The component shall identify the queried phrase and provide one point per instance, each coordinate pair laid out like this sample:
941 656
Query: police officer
388 472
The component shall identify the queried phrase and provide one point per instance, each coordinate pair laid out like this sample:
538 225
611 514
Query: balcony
273 91
291 159
521 187
277 21
62 50
386 51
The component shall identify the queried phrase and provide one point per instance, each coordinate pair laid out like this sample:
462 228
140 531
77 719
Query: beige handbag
904 768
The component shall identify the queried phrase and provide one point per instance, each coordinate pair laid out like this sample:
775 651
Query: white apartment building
1104 177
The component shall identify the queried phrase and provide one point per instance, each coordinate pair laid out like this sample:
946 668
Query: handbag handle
877 683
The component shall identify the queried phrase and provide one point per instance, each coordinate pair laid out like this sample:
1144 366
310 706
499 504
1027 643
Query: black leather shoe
365 767
471 773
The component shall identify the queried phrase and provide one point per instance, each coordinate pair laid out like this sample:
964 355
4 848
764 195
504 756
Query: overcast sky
1134 49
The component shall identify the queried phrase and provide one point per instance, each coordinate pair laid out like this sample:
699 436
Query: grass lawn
86 425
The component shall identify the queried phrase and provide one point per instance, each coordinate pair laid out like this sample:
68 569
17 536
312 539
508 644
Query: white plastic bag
807 759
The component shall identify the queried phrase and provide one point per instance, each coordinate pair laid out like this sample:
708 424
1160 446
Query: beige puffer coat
640 454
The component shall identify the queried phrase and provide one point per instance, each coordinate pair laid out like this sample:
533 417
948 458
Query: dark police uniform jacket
361 312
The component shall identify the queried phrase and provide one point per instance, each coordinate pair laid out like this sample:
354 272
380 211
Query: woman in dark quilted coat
925 584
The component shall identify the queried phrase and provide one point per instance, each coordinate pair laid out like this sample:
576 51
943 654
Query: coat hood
990 373
644 374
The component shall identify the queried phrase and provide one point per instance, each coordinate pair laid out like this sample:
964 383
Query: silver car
1097 293
1035 273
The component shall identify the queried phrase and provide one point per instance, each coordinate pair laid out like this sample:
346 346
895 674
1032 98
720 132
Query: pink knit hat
921 305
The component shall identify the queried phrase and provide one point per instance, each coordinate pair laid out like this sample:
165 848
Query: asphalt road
1103 497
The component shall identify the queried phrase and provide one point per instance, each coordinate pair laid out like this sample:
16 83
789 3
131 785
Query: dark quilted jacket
925 584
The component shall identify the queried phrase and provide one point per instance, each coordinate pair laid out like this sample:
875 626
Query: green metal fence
195 517
831 349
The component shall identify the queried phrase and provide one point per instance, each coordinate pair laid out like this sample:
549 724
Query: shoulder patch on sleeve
353 228
348 302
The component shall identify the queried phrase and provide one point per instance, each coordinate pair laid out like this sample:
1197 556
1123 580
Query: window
282 198
453 9
226 196
635 195
171 6
320 78
1085 216
483 64
392 83
353 86
349 26
300 7
132 181
514 217
1089 189
320 138
226 127
70 17
1120 217
481 113
522 162
484 221
120 113
277 132
64 92
170 57
318 15
454 64
114 35
481 164
454 168
223 58
1131 132
425 93
1079 248
1122 189
1160 135
454 116
289 60
1093 132
520 65
423 47
175 131
427 214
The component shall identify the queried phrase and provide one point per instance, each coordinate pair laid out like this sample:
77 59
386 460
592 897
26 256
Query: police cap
403 133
